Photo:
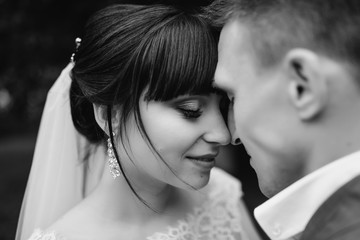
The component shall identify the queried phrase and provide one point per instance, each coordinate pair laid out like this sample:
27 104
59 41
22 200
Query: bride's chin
199 181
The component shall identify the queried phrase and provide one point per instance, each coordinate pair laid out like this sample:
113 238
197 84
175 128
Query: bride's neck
120 201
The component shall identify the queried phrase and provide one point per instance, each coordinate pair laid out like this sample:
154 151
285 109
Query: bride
129 136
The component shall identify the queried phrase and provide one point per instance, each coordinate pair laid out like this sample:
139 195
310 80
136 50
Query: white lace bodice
38 234
218 218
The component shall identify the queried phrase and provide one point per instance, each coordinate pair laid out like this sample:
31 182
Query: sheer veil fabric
59 177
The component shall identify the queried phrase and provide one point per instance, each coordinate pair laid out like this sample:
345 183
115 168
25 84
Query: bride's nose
216 131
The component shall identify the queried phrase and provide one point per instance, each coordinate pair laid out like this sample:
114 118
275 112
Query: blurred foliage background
36 42
37 39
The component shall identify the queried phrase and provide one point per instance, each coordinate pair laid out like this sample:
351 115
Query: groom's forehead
234 34
237 45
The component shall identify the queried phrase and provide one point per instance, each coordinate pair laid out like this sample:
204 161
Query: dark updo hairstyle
128 49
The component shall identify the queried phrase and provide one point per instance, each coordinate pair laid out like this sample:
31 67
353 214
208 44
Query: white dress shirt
285 215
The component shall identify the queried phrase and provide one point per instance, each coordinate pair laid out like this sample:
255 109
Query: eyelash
190 114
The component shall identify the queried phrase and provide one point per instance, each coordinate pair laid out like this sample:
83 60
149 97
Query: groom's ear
101 117
307 86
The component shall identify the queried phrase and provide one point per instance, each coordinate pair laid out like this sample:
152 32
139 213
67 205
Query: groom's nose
235 140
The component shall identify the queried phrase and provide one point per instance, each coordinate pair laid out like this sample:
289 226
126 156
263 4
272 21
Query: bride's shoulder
56 231
61 229
68 226
39 234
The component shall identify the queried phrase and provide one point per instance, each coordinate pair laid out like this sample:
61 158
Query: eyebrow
223 89
216 89
214 85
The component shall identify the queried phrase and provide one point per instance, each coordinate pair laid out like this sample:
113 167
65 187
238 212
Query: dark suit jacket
339 217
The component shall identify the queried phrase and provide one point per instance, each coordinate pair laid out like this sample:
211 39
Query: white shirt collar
286 214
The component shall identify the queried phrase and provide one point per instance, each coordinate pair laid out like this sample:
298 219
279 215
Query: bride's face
186 132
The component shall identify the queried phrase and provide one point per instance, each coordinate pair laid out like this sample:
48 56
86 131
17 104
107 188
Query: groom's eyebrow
223 89
215 86
216 89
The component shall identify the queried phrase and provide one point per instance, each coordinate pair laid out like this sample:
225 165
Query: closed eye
190 109
190 114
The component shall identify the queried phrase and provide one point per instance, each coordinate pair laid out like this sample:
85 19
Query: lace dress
219 218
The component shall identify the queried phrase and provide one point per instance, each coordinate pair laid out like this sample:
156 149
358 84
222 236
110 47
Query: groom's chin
266 191
269 187
272 186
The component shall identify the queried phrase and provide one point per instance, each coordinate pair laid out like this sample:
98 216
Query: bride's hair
127 50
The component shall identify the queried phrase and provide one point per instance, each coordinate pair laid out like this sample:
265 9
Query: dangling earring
113 164
77 45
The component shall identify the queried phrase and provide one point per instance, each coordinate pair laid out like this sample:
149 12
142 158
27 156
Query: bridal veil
59 177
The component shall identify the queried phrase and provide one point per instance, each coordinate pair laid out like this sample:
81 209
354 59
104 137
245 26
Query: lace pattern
219 218
40 235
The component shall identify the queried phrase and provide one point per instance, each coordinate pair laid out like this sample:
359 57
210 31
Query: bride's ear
100 113
101 117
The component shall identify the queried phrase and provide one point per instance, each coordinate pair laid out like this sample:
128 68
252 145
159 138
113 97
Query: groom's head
292 70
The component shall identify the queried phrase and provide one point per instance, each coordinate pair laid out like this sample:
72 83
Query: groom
292 71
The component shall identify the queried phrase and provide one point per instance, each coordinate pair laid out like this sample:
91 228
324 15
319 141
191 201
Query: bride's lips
204 161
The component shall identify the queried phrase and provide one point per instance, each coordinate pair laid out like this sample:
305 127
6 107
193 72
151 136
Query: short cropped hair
328 27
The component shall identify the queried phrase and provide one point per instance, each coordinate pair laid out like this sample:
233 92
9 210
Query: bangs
178 59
